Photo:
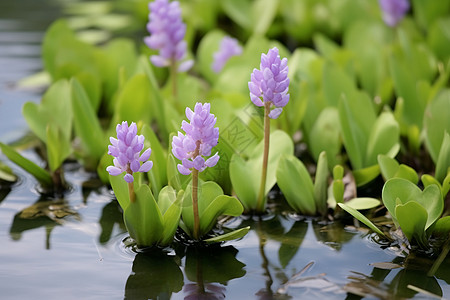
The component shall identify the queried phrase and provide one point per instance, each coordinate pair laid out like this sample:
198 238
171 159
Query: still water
73 248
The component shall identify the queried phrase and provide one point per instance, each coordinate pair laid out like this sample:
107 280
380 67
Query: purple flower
126 151
201 136
393 10
167 32
228 47
270 83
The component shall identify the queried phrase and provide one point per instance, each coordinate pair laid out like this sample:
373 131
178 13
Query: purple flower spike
126 150
270 82
229 47
201 136
167 32
393 11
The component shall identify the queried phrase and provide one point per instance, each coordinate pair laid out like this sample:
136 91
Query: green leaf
233 235
37 172
120 188
442 226
359 216
173 177
92 87
55 108
263 14
296 184
412 227
321 184
171 218
356 117
238 11
207 193
437 122
336 84
58 147
388 166
221 205
208 45
159 155
443 161
6 174
143 218
86 123
401 191
363 203
366 175
407 173
136 88
246 175
384 138
325 135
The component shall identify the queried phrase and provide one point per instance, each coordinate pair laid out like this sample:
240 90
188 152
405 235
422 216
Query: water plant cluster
319 101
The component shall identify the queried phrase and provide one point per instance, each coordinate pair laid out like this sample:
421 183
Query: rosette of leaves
149 221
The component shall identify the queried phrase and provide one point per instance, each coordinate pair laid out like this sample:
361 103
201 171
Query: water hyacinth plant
191 148
268 88
167 32
149 222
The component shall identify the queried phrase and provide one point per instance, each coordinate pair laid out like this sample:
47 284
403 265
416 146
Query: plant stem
260 204
195 203
131 192
195 195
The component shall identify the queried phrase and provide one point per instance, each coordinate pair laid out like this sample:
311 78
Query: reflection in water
111 215
4 191
209 269
333 235
44 213
154 275
408 282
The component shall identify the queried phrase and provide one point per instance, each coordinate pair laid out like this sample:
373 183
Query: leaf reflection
210 270
154 275
375 285
46 213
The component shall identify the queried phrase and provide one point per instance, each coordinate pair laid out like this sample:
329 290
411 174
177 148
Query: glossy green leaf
137 90
296 184
412 227
363 203
384 138
321 184
37 172
442 226
436 123
58 147
221 205
401 191
407 173
173 177
120 188
359 216
143 218
390 168
55 108
366 175
325 135
159 155
245 175
86 123
233 235
443 161
171 218
207 193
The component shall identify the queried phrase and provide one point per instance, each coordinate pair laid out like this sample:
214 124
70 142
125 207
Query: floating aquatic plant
167 32
268 88
149 221
208 201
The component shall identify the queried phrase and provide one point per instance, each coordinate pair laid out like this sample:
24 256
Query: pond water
73 247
